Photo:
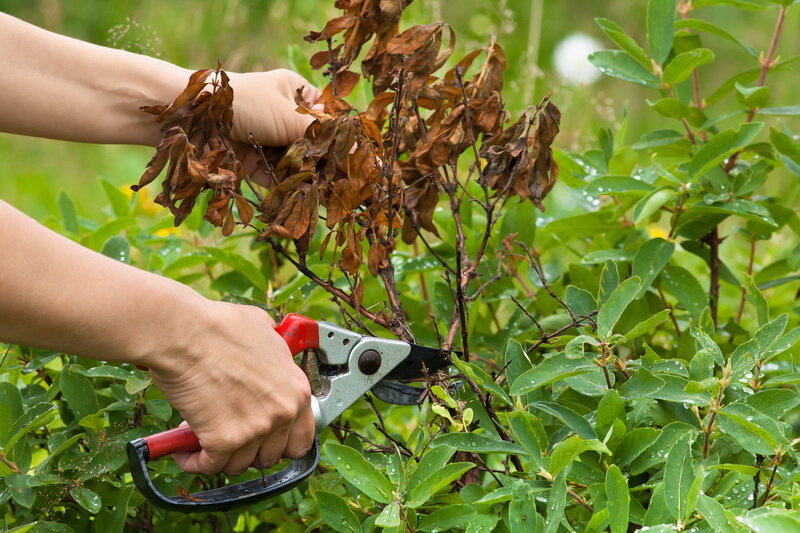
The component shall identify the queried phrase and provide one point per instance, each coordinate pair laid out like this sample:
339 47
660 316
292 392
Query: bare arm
222 366
62 88
58 87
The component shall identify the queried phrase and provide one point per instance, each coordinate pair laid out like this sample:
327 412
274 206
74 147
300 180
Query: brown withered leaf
370 174
522 164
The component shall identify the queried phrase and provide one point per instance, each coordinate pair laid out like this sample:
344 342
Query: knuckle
225 444
261 428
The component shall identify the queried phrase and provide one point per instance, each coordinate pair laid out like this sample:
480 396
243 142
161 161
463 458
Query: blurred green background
265 34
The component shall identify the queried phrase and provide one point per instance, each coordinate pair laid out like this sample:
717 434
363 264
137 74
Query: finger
310 93
271 450
201 462
241 460
301 436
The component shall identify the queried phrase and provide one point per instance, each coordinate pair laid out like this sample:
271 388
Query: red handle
299 332
181 439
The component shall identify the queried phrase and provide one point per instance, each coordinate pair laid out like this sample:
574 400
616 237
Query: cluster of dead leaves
378 173
197 152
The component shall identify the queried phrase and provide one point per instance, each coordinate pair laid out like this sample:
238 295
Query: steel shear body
347 365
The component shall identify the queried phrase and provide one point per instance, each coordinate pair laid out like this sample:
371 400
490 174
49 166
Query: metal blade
397 393
402 394
421 357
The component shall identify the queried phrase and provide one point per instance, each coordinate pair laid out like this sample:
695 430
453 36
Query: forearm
58 295
62 88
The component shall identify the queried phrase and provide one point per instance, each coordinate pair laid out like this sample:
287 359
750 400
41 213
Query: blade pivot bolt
369 362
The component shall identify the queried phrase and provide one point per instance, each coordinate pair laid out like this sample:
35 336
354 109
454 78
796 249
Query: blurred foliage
655 410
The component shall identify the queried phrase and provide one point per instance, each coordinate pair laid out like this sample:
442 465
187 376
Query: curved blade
420 361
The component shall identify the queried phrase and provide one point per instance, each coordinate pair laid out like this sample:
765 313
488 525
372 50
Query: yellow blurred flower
656 231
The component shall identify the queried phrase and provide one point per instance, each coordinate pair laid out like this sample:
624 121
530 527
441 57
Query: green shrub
631 364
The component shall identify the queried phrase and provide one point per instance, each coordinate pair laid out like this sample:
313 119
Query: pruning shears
341 365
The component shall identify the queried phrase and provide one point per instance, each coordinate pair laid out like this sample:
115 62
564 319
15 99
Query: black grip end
223 498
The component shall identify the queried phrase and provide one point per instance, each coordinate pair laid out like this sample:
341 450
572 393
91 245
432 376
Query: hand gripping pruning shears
345 365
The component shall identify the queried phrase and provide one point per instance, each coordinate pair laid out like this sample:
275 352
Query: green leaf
568 449
650 259
390 516
120 204
522 515
434 459
619 499
613 185
681 284
523 426
241 265
335 512
516 360
61 448
483 524
707 343
660 28
647 326
641 384
86 498
575 347
161 409
473 442
359 472
633 444
747 470
601 256
569 417
32 418
756 298
772 521
722 145
552 369
787 110
773 403
785 144
747 5
619 64
682 65
747 354
678 477
610 408
609 280
702 25
556 501
752 97
68 213
10 409
448 518
117 247
754 438
651 140
651 203
617 302
435 482
580 301
624 41
714 513
113 521
79 393
670 107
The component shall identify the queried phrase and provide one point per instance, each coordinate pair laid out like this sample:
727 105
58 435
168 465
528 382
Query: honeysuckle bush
628 366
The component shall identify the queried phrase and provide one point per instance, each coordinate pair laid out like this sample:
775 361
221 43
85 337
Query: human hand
241 393
264 104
